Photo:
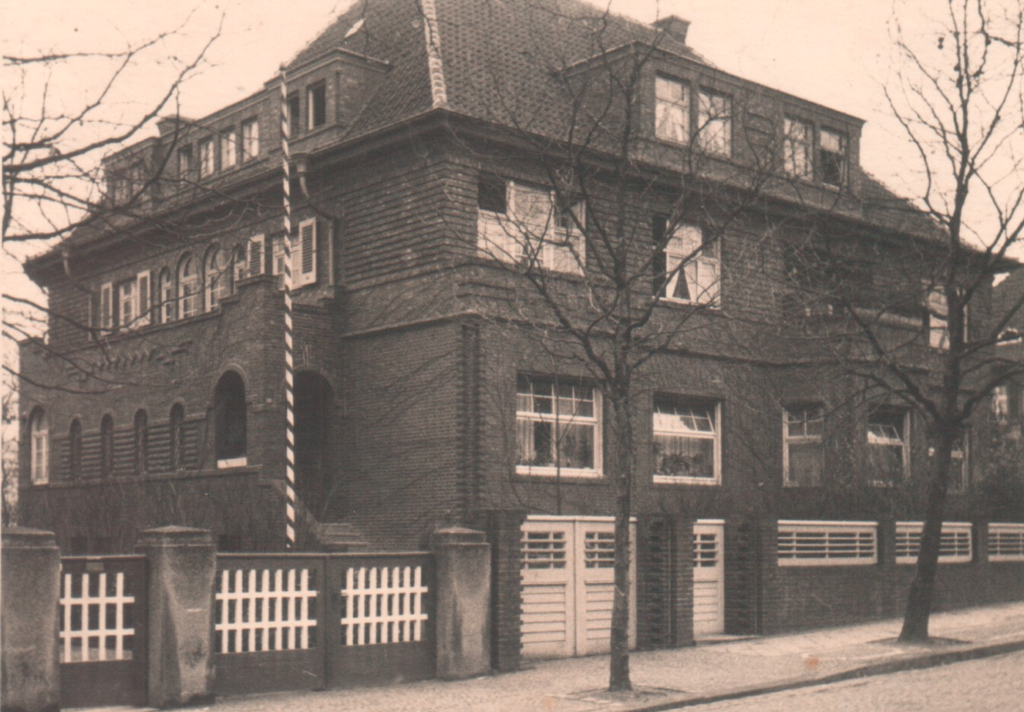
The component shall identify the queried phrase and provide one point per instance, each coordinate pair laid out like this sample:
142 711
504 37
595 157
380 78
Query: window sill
553 472
715 304
231 463
800 485
701 481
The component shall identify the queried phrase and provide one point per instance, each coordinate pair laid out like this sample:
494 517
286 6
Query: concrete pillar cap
25 538
457 535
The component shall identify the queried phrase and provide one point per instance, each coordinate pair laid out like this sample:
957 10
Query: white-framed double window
558 427
714 123
798 148
827 543
888 451
671 110
529 225
955 543
692 267
803 452
687 442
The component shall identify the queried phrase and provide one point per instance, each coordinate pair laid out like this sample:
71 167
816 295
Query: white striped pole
289 365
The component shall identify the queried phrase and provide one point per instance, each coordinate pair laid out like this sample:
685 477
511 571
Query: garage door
568 586
708 578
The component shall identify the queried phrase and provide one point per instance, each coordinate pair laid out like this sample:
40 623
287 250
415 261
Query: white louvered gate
568 586
708 578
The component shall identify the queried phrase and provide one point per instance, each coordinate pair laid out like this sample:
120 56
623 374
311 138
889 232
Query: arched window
229 420
75 449
106 446
39 454
218 277
189 293
141 442
177 436
165 293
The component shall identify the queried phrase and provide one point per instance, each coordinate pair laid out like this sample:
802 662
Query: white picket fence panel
383 605
265 610
87 619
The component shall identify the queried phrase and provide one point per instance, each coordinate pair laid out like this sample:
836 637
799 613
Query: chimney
674 27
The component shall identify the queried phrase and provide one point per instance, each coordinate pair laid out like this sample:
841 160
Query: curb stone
917 662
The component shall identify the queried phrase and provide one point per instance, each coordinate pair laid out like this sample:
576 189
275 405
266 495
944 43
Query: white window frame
39 455
127 304
217 278
671 110
827 543
555 419
688 258
1005 541
143 298
1001 403
938 319
714 122
304 254
190 289
207 158
878 437
673 425
250 139
168 296
185 162
107 320
802 437
842 151
956 545
310 104
506 236
255 255
798 148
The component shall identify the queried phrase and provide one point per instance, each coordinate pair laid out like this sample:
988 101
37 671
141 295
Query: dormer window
714 123
316 105
797 143
671 110
207 160
832 149
250 139
184 162
228 149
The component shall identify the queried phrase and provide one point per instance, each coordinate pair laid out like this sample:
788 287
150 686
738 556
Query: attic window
316 104
833 157
355 28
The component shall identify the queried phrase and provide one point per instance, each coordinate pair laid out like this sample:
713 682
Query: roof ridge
435 65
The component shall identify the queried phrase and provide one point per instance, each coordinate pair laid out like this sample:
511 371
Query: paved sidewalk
663 679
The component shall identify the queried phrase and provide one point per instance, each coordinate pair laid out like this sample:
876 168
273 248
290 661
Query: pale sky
834 52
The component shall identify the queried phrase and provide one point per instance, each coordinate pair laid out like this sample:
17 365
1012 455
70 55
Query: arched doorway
230 421
314 401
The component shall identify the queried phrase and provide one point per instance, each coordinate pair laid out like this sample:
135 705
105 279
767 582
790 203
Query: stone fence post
182 567
463 603
28 621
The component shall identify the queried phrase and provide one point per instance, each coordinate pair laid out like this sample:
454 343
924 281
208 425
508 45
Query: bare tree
959 99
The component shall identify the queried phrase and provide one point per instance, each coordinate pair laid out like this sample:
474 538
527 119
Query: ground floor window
686 441
557 427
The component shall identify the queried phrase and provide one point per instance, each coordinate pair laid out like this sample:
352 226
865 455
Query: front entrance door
568 586
708 578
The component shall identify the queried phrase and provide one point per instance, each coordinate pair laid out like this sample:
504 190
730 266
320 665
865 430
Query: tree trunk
922 589
620 455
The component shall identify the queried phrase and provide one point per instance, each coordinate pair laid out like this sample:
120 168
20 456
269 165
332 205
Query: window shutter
107 306
142 299
257 256
304 257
